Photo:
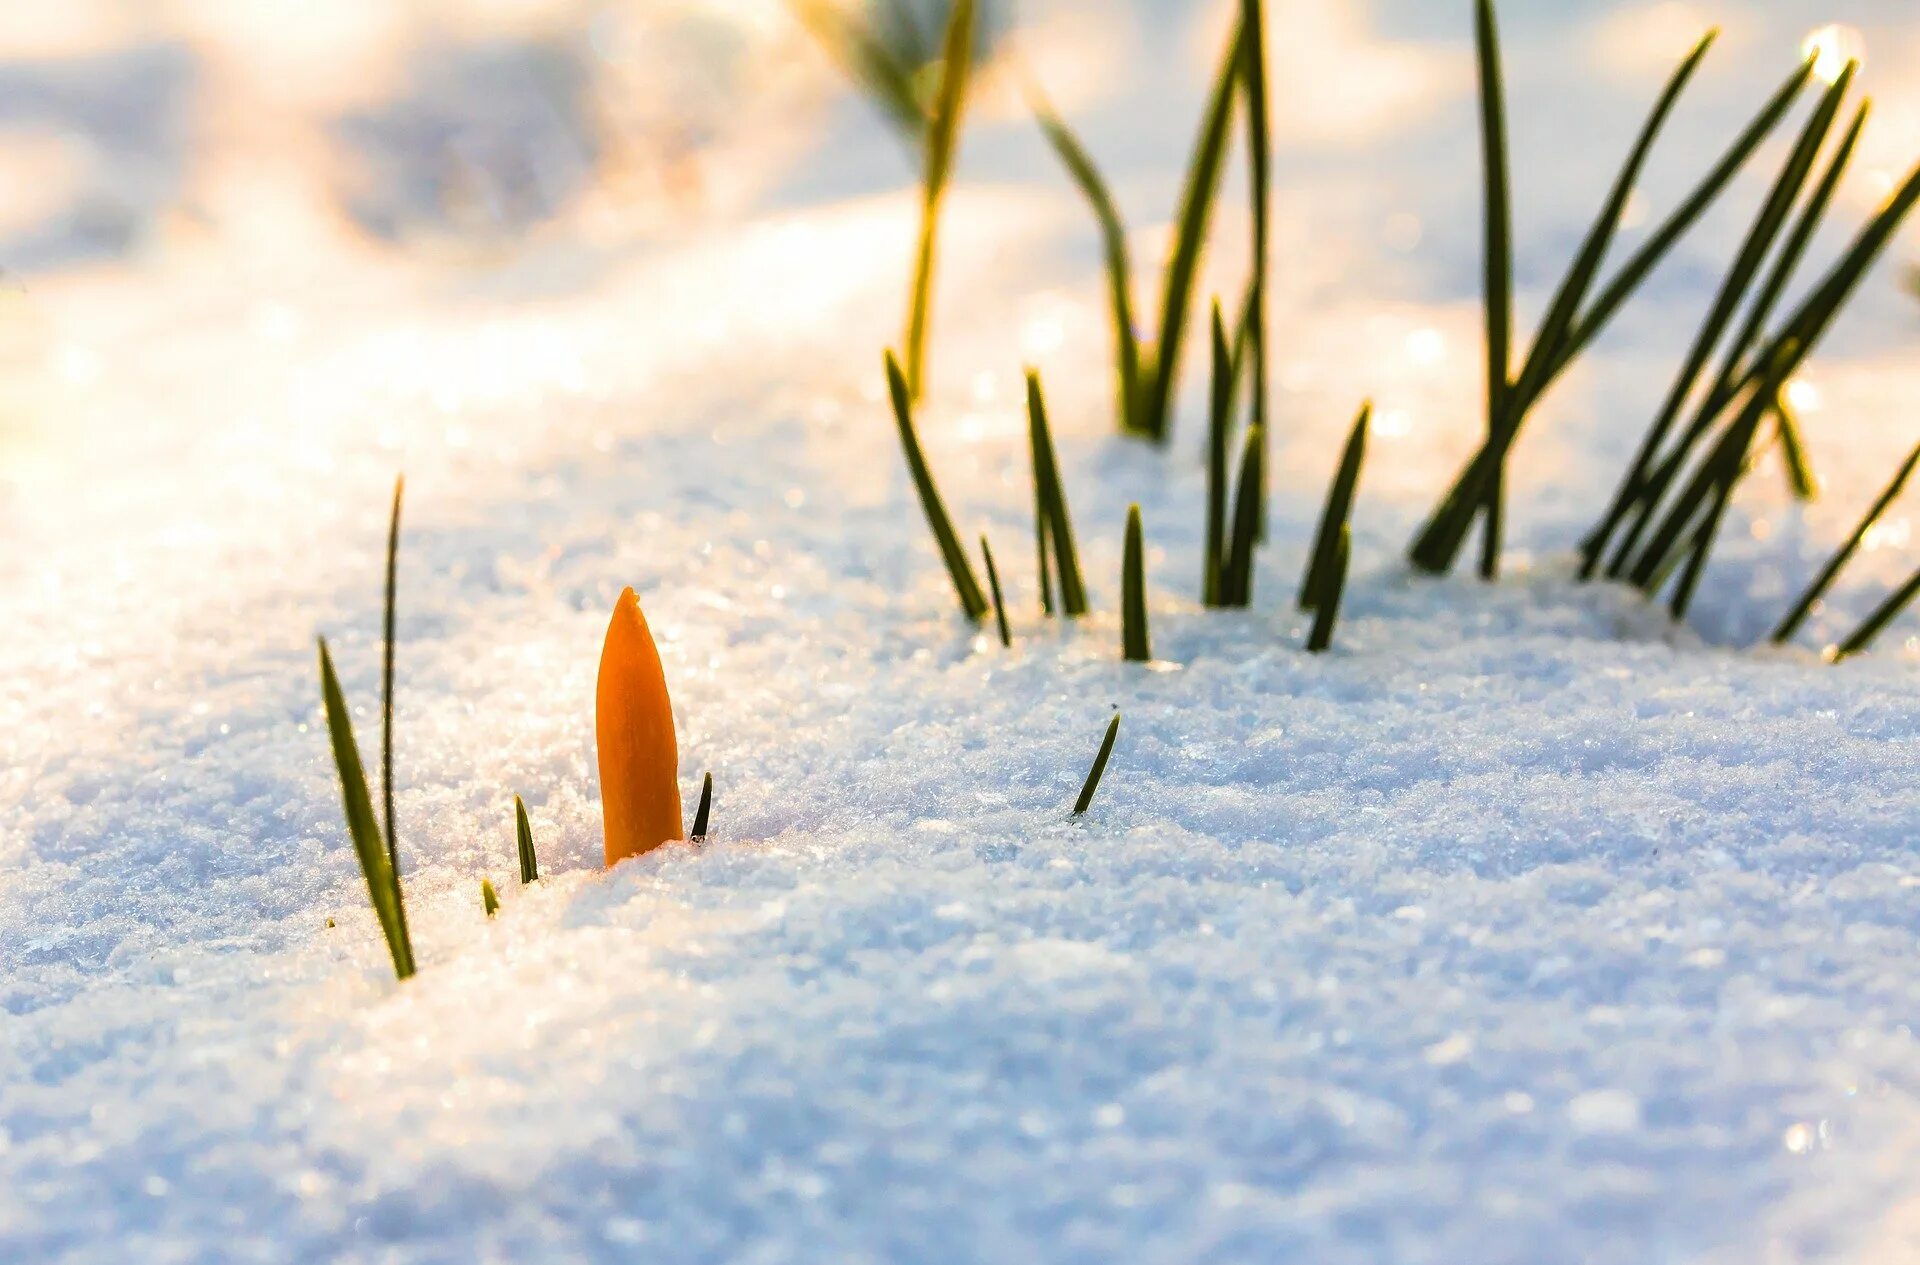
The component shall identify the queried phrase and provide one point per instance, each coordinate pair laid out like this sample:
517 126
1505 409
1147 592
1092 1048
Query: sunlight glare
1832 47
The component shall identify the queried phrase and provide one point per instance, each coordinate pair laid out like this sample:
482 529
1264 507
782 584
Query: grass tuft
702 813
1319 581
943 133
1050 495
523 838
1136 643
1734 290
1148 372
383 884
999 599
1092 784
1831 572
972 600
1571 321
489 899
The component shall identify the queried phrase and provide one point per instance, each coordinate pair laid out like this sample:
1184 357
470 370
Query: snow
1524 927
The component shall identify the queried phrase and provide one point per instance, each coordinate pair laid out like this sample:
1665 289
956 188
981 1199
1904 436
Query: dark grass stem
1823 582
999 599
523 838
1877 622
1497 248
1219 440
1092 784
1052 496
972 601
1253 79
489 899
1136 642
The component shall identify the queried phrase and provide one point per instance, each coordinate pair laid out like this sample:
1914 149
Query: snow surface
1522 928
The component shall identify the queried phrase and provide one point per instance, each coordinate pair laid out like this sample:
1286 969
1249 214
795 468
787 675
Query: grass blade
1253 79
1113 236
1196 208
383 886
1219 436
489 899
1336 515
1136 643
1831 572
1497 258
1878 621
999 601
1099 768
1236 585
943 131
972 600
1053 502
1327 613
523 837
700 816
386 678
1801 480
1040 541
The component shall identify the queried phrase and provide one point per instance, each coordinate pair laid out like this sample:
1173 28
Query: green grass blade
1831 572
1042 546
1236 585
523 837
1327 613
383 886
943 132
1497 259
1113 236
1136 642
1877 622
999 599
1335 516
972 600
489 899
701 815
1183 265
1219 436
1253 79
386 678
1801 480
1733 292
1053 496
1092 784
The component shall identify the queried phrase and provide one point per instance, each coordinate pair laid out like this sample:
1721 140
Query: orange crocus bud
639 755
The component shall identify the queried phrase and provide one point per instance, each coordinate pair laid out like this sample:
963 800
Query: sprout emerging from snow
639 754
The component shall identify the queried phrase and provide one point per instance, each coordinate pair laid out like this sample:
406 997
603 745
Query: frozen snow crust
1521 928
